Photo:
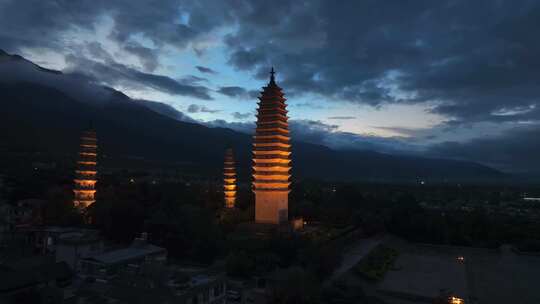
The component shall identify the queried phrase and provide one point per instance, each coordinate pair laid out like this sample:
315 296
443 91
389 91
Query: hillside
42 110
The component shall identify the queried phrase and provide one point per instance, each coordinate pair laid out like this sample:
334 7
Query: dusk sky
456 79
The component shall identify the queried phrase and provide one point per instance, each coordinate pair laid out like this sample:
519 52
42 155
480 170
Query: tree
239 264
293 286
59 209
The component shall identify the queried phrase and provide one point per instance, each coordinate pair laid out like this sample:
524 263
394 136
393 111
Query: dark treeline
187 218
438 214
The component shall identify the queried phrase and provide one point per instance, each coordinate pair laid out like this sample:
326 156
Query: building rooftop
138 249
79 237
166 285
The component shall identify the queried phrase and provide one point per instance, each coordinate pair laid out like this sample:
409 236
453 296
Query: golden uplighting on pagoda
85 183
271 156
85 173
87 154
86 163
455 300
229 179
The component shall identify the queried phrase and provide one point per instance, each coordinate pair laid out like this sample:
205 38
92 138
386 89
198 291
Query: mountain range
46 110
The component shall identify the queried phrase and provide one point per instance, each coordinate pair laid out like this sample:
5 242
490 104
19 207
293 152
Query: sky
449 78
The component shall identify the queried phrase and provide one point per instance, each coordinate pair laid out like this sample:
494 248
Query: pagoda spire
229 179
272 77
271 156
86 172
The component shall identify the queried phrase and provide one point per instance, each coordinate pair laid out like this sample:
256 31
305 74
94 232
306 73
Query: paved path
471 287
354 254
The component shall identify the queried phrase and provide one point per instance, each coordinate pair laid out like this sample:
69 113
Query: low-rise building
204 289
108 264
44 239
74 246
156 284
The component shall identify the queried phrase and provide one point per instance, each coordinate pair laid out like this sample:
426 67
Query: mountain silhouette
45 110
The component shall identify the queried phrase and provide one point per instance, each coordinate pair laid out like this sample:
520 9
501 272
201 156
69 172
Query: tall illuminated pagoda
229 179
271 157
86 172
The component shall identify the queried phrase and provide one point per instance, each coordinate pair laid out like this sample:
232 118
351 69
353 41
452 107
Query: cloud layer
476 61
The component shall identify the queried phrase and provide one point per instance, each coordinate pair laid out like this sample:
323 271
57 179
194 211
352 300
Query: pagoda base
272 207
253 230
228 214
82 204
230 202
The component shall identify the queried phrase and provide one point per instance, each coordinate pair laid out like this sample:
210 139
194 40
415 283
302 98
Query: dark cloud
147 56
114 73
243 127
370 52
232 91
205 70
329 135
165 109
193 108
97 51
55 25
40 23
341 117
248 59
473 62
310 105
238 92
192 80
15 69
472 59
319 133
511 151
44 21
242 116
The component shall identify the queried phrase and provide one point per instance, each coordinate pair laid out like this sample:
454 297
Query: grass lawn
376 263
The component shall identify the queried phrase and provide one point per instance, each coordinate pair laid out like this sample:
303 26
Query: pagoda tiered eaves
271 156
86 172
229 179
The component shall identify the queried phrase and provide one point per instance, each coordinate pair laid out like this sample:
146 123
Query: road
354 254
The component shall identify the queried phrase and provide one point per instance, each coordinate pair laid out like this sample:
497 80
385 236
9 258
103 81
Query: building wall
214 292
73 253
105 270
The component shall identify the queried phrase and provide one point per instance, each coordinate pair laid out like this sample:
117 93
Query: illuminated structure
229 179
85 174
455 300
271 157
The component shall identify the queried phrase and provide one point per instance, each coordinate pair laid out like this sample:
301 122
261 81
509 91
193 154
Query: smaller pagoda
229 179
86 172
